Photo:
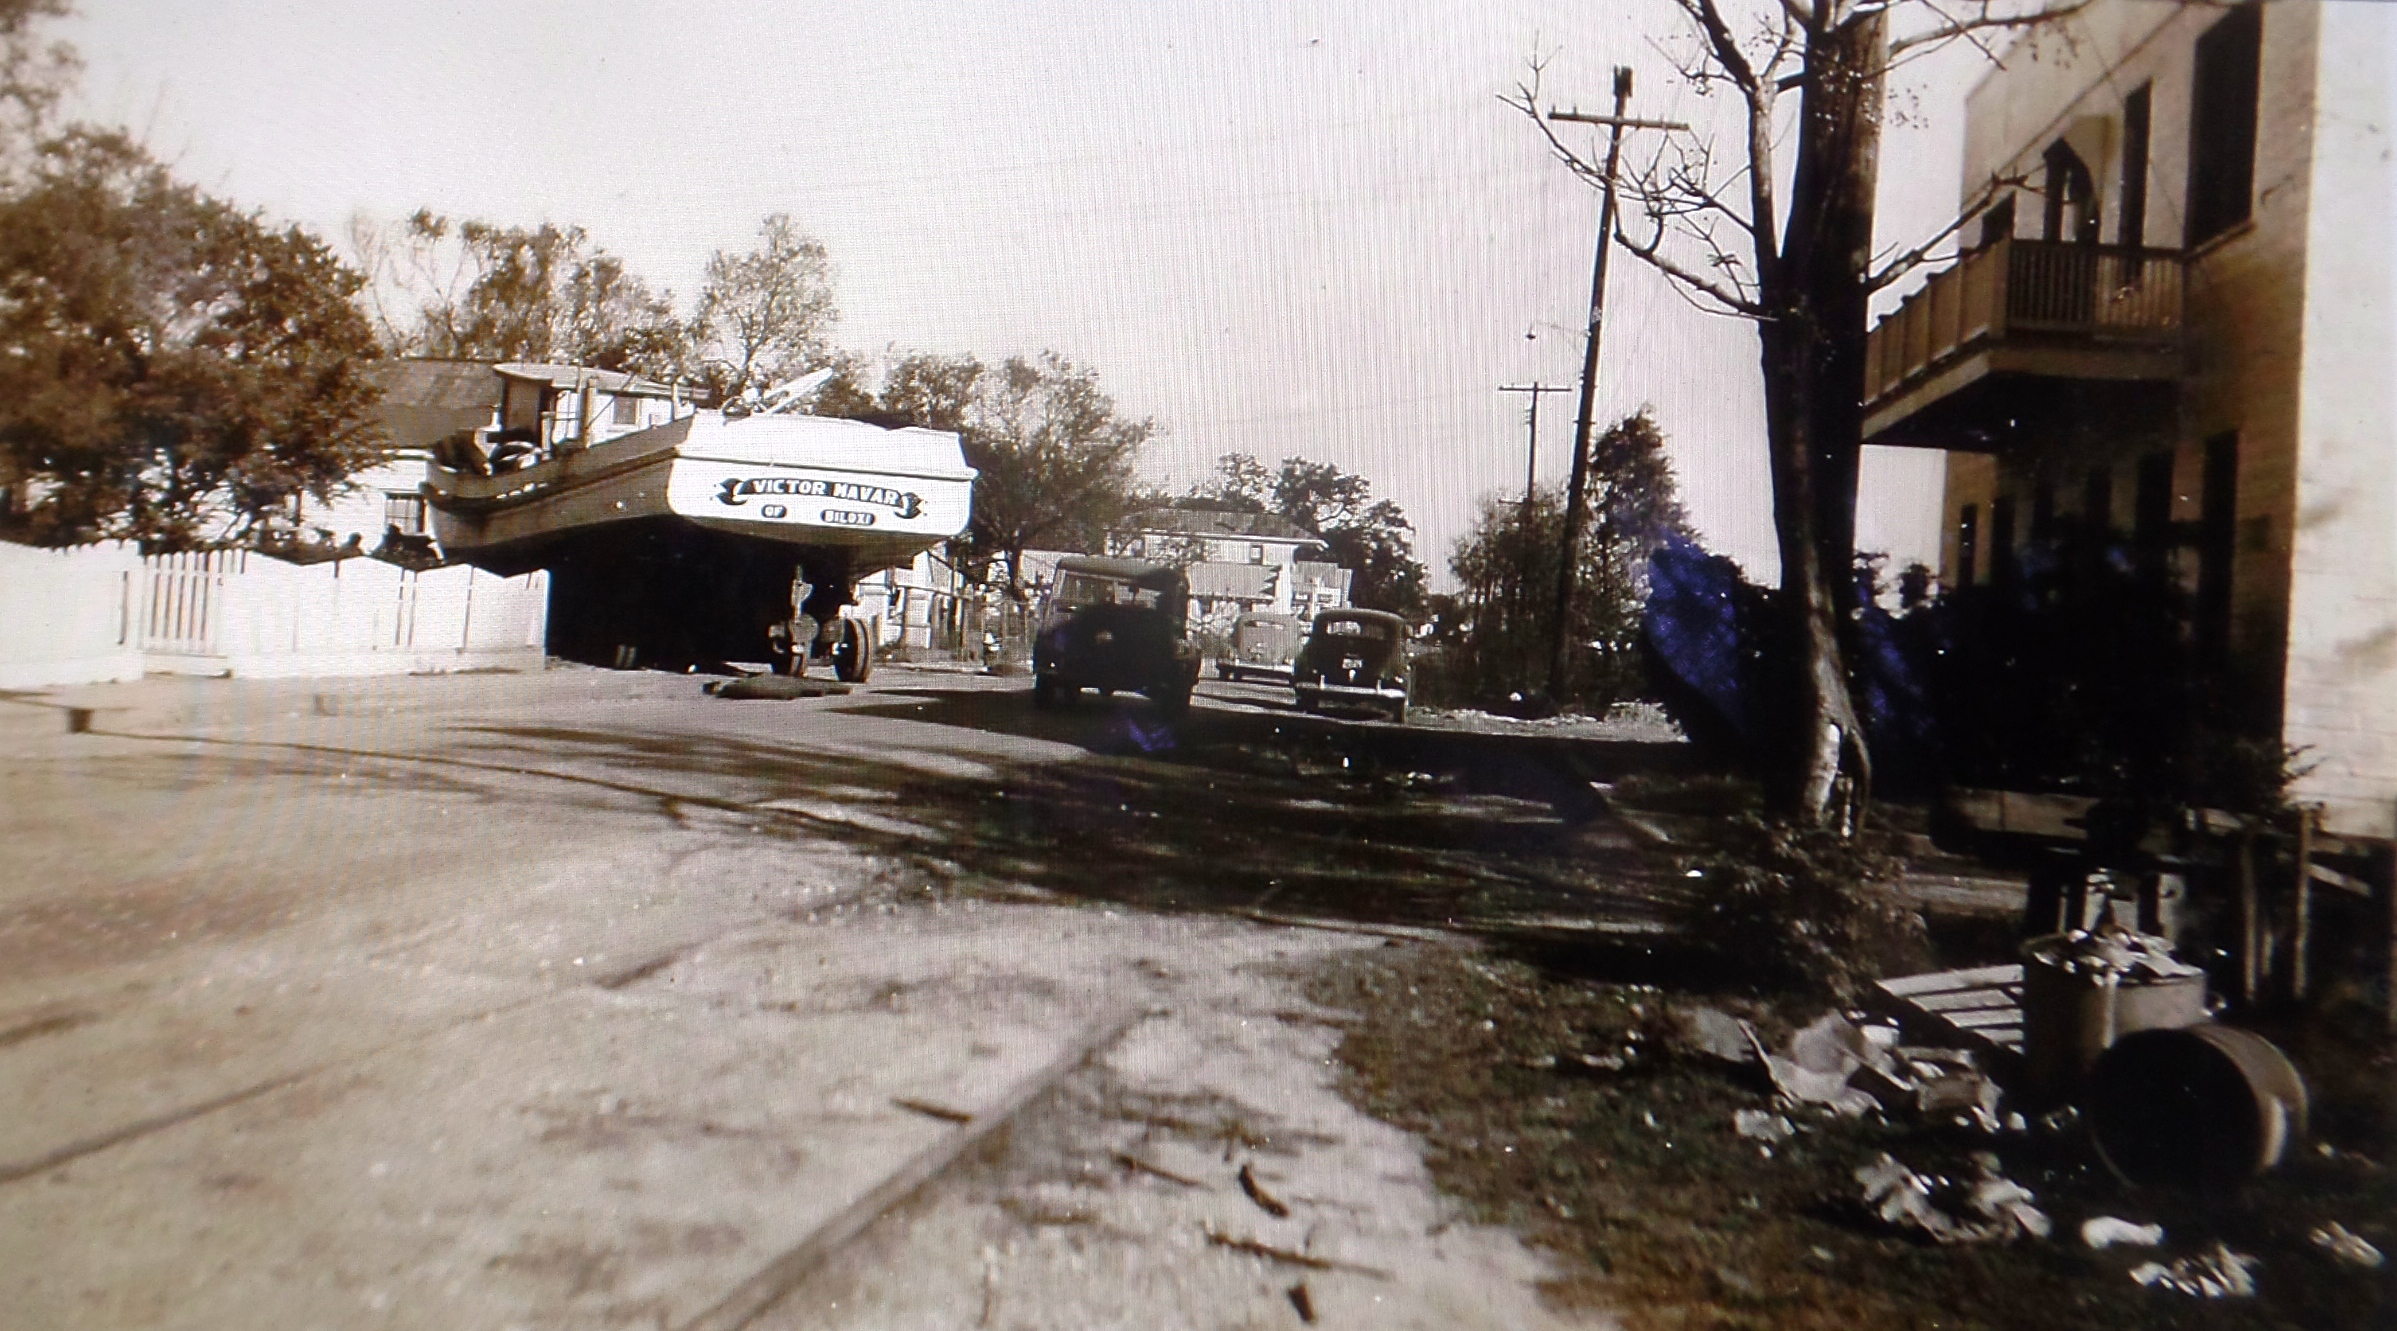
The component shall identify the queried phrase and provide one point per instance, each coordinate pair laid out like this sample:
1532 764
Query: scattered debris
1930 1082
2219 1274
2346 1245
1762 1125
774 687
1285 1255
1990 1208
1139 1166
1818 1069
1303 1303
931 1110
1716 1034
2105 1231
1266 1201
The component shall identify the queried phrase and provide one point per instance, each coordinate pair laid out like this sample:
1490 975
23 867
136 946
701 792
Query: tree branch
1913 258
1987 16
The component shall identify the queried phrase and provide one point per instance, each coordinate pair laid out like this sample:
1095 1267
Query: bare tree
764 316
481 291
1804 271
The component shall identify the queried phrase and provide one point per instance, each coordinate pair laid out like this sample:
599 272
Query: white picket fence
104 612
68 616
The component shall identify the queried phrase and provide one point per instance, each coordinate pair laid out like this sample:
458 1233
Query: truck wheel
1398 714
853 655
1047 693
1174 702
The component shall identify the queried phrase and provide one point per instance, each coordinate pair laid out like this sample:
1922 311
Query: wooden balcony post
2250 917
2301 920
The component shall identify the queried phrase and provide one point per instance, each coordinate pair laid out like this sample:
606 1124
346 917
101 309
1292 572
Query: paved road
588 1000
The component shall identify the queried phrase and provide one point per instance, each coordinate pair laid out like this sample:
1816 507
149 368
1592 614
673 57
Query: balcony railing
2050 292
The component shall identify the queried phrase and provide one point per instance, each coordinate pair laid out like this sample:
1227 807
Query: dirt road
588 1000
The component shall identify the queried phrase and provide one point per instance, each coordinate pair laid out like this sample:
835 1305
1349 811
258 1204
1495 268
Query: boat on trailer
710 538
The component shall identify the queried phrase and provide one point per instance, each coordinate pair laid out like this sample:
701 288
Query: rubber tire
1047 694
853 655
1175 702
1398 714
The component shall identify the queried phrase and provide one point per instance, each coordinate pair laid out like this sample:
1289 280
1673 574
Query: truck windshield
1075 590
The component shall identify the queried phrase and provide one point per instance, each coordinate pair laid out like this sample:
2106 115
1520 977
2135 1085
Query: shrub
1800 908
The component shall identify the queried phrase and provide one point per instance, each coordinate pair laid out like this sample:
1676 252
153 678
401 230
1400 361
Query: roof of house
1216 522
428 400
1239 582
572 376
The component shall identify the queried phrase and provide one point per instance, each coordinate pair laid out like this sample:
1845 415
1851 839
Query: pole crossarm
1621 122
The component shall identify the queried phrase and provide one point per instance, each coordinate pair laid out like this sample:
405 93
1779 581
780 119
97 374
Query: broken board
1980 1007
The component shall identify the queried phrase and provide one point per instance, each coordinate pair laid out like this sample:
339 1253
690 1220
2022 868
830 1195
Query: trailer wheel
853 655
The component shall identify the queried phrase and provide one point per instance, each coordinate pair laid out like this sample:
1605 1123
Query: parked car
1355 660
1115 625
1263 646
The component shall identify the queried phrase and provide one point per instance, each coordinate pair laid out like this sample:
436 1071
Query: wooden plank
2329 877
1971 1000
1905 986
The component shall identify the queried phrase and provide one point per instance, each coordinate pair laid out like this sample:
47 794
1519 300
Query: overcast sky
1294 229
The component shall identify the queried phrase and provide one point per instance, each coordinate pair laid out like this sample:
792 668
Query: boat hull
690 543
879 496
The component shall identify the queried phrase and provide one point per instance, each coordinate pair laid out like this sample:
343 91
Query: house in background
1237 562
2183 329
424 402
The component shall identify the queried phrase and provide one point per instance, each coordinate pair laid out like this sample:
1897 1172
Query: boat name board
889 503
735 491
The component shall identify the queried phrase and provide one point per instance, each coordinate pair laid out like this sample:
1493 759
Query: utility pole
1531 463
1560 657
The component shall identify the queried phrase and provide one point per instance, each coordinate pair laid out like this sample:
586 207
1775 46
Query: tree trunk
1813 361
1838 172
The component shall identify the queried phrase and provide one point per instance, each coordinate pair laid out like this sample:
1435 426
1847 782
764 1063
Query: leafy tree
1370 537
764 316
179 369
1507 565
1803 270
1055 458
33 76
476 290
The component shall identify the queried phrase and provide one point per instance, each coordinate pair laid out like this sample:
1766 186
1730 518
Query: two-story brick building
2180 327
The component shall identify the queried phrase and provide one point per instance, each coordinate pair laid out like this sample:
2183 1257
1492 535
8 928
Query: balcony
2029 338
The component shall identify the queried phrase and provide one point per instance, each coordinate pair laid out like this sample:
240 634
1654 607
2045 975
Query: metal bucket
2080 995
2206 1107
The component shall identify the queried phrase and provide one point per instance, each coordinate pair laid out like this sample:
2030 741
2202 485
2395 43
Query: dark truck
1115 625
1355 660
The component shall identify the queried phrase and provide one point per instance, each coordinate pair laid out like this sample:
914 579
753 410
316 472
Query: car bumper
1355 693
